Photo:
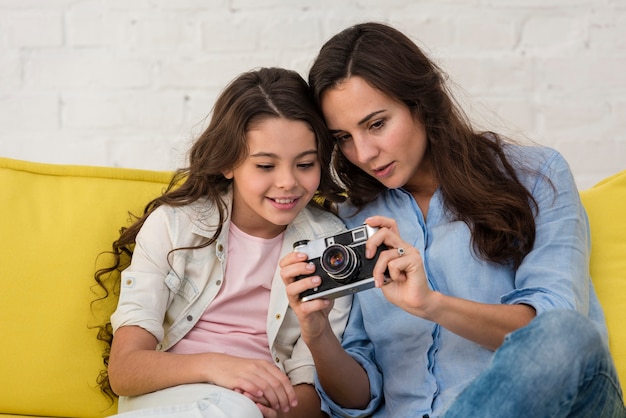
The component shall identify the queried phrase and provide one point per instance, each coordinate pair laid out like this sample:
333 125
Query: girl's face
277 178
376 133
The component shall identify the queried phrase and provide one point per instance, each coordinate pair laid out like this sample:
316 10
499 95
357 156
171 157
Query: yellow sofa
56 219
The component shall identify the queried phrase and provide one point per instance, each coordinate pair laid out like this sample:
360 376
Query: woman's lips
384 171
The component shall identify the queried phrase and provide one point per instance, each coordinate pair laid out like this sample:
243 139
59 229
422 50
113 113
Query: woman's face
376 133
278 177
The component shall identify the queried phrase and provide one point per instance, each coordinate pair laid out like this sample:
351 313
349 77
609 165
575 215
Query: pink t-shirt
235 322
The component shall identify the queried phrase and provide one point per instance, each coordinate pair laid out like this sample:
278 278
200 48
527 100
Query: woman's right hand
313 314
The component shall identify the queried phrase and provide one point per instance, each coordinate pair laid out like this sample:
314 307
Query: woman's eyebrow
361 122
368 117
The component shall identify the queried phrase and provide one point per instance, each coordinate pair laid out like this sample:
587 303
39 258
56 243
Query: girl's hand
313 314
407 286
259 380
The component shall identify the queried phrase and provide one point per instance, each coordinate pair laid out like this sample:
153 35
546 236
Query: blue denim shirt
417 367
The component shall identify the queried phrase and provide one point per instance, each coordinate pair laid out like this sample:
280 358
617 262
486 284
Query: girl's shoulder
313 222
201 215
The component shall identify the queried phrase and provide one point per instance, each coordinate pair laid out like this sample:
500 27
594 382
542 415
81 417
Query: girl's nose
286 180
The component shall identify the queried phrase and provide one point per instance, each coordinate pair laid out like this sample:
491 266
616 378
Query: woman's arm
484 324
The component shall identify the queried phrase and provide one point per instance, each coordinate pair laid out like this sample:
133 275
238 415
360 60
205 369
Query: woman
489 249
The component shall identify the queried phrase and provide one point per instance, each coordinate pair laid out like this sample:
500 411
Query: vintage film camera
340 262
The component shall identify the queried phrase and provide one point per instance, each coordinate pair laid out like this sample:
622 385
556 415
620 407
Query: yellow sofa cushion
606 207
54 221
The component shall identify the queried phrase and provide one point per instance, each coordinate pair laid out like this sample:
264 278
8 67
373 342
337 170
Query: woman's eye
342 138
378 124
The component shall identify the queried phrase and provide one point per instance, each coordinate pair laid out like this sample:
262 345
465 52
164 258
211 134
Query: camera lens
339 262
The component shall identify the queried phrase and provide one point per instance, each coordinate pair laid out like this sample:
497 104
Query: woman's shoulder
540 166
534 157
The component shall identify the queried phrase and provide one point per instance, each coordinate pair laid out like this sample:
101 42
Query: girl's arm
342 377
136 368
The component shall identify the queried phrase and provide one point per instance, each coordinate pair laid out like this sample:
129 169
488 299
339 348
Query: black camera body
340 262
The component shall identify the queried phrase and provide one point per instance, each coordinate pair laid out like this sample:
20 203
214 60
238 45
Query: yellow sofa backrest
606 207
54 221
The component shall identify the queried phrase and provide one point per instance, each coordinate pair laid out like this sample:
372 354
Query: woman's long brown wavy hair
478 183
249 99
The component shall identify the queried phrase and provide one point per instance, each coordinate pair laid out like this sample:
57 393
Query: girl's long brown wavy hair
478 183
249 99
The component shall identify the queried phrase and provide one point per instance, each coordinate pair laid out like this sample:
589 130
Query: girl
203 323
490 311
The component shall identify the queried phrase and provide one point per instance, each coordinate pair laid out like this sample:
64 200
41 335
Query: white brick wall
129 82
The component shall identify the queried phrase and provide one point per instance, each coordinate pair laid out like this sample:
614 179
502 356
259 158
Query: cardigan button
220 247
277 316
189 318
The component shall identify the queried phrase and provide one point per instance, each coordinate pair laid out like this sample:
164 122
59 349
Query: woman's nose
365 149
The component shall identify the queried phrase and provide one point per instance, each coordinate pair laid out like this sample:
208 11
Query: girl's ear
228 174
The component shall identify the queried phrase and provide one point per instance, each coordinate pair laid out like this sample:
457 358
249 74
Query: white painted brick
10 71
28 111
582 72
474 34
34 4
554 33
168 33
86 24
55 147
85 68
34 29
165 154
125 111
607 33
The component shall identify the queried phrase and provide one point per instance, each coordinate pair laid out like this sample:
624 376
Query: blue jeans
557 366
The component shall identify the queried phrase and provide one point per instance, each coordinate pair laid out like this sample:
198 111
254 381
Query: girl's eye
264 166
306 165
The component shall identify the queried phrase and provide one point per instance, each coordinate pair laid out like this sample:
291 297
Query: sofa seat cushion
55 220
606 207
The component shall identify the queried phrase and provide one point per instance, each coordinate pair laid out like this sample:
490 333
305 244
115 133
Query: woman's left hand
406 286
